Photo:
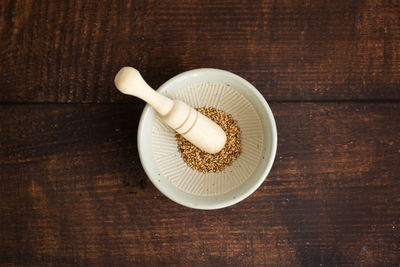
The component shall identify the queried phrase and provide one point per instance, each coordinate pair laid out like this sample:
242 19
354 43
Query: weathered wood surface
73 192
68 51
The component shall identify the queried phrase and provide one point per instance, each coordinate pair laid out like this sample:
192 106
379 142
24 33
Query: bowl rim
220 204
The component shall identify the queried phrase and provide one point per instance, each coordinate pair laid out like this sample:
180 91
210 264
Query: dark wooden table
73 191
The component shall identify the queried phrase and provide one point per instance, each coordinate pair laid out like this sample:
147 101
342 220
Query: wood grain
72 189
69 51
73 192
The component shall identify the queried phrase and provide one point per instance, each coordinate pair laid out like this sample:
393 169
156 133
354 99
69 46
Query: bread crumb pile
202 161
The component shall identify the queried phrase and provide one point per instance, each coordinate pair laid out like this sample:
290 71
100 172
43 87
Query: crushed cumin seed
202 161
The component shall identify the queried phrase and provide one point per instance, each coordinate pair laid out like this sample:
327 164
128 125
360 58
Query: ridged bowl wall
172 176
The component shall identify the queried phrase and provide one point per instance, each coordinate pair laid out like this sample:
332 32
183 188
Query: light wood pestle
192 125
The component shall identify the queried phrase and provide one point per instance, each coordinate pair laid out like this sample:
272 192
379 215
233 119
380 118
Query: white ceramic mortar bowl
195 195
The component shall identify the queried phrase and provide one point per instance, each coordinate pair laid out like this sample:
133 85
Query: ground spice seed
202 161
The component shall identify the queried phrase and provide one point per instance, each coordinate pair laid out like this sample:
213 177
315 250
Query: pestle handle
192 125
129 81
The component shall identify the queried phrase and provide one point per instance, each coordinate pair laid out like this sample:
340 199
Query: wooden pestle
192 125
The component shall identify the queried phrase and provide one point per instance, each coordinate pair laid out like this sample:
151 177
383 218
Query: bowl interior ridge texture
177 172
162 161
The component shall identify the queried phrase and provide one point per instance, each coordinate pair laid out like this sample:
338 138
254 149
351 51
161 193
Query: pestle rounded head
129 81
126 78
